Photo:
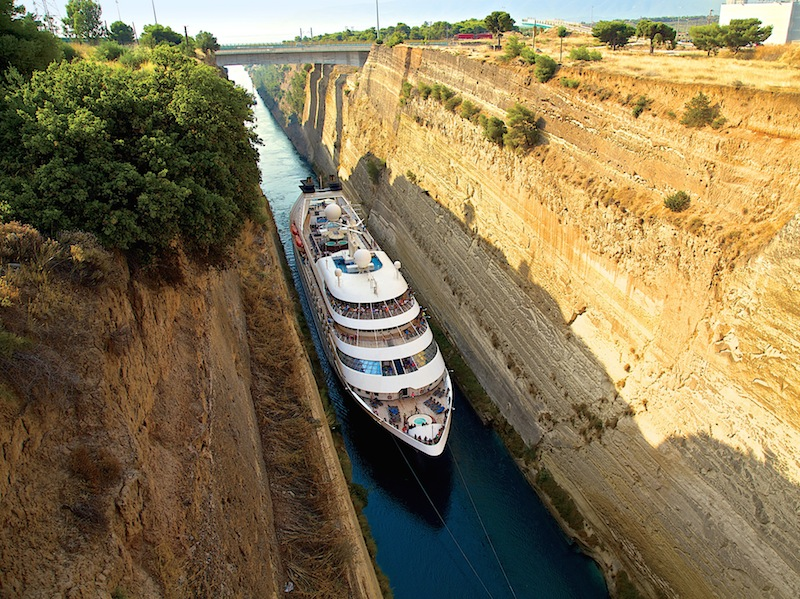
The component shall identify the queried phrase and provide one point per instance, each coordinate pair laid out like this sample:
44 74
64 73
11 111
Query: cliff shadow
454 271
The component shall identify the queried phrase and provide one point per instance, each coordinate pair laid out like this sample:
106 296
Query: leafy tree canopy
84 20
23 44
740 33
141 159
657 33
498 22
522 131
206 42
614 33
154 35
709 38
121 33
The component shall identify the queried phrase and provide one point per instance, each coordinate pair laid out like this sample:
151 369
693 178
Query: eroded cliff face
136 462
650 356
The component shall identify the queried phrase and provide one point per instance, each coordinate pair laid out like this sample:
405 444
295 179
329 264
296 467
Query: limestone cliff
650 356
142 452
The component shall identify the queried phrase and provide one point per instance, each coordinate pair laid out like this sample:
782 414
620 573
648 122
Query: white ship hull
372 328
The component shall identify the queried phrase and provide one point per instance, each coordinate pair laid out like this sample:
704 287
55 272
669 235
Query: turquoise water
459 526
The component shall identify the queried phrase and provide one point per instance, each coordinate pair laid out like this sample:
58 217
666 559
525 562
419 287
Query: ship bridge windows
390 367
373 310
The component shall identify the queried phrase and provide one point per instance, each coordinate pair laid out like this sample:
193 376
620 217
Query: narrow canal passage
462 526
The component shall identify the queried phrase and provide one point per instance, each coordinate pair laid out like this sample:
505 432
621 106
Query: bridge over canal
345 54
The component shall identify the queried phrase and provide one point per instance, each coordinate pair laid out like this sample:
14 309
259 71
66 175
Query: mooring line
485 532
441 519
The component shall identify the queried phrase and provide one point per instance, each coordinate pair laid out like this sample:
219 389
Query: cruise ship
374 332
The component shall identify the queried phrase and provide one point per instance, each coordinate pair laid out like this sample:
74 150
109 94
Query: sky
253 21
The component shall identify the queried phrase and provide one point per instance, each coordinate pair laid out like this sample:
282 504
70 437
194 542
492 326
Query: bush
583 53
641 104
452 103
442 93
528 55
678 202
494 129
405 93
109 51
522 131
571 83
699 112
514 47
133 59
545 68
469 110
375 167
424 90
141 159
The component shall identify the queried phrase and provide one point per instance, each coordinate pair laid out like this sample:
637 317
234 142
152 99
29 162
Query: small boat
374 331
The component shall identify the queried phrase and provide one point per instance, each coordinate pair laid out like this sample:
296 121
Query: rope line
485 532
441 519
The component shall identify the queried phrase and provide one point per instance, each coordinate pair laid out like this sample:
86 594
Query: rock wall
650 356
133 452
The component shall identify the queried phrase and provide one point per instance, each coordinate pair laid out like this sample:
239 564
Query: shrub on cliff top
141 159
583 53
545 68
678 201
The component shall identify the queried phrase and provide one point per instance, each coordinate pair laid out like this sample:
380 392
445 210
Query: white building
783 16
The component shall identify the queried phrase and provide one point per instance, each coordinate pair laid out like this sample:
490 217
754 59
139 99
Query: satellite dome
333 212
362 258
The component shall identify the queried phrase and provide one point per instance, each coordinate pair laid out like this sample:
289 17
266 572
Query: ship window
390 367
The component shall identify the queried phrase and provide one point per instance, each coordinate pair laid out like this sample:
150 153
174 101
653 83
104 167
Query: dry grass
695 67
773 68
95 466
313 550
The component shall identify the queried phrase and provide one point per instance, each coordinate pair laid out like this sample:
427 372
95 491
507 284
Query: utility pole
155 18
377 21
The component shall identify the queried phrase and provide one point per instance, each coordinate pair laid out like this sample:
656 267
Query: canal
461 526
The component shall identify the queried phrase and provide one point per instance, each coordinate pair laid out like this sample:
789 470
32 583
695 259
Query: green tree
154 35
514 47
545 68
494 129
614 33
206 42
656 32
562 33
121 33
498 22
84 20
141 159
583 53
740 33
699 112
23 43
522 132
709 38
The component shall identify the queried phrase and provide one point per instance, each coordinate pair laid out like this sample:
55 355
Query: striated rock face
161 397
650 356
135 459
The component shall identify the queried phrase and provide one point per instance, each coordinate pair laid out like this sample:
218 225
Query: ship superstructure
374 331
